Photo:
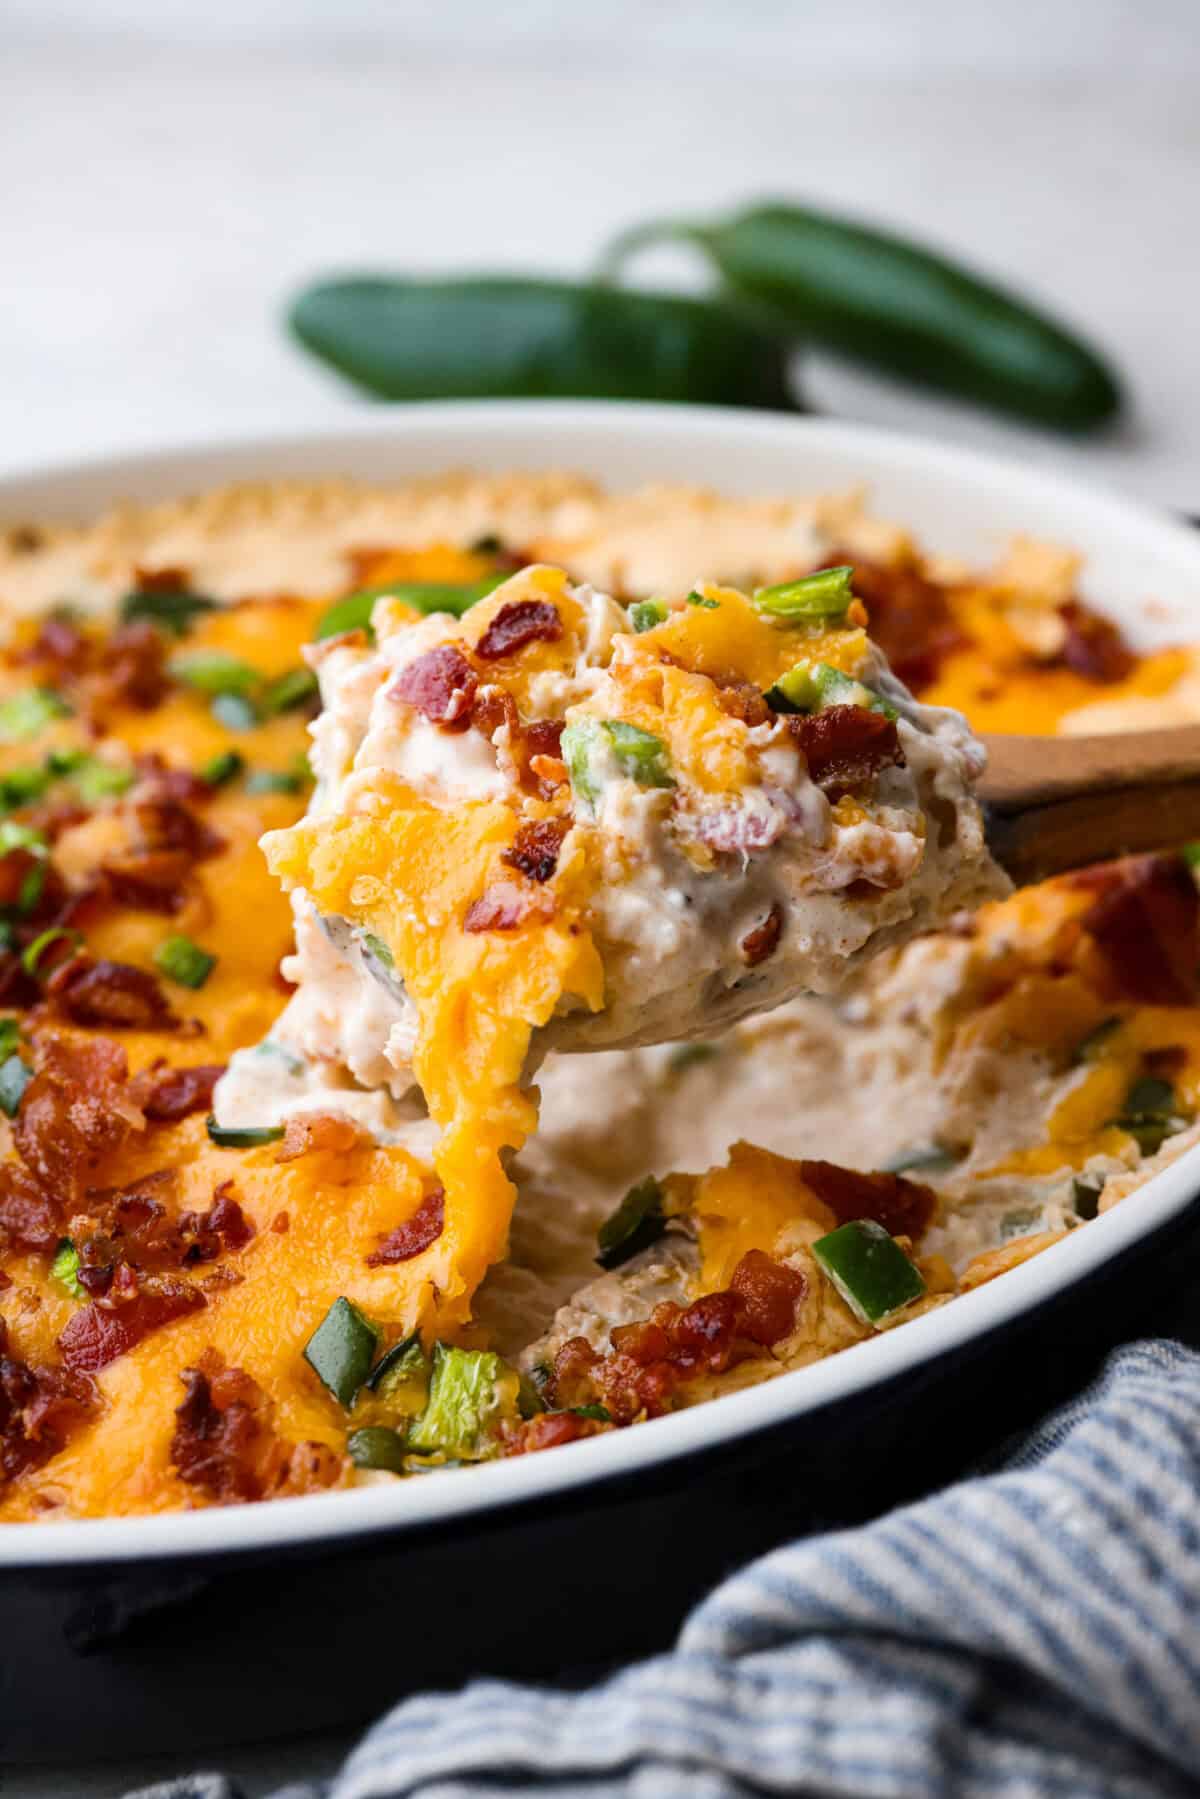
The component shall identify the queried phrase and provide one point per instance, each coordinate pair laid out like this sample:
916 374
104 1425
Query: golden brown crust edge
295 536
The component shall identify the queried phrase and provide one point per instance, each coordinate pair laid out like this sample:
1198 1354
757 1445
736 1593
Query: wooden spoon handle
1054 803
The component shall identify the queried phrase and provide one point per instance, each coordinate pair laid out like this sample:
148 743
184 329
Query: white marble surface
172 172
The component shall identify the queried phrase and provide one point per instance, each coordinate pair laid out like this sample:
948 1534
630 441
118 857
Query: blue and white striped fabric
1033 1632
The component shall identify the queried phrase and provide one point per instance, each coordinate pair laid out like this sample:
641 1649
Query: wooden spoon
1054 803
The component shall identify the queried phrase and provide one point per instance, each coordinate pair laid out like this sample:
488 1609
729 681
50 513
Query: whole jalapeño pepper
502 336
899 307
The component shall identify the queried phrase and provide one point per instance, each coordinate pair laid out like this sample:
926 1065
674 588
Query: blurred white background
172 169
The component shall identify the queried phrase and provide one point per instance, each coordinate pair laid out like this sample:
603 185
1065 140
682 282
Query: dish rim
415 1505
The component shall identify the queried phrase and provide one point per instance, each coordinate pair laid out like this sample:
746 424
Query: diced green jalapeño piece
21 786
375 1446
98 779
690 1055
236 711
341 1350
1019 1222
811 686
222 768
400 1378
65 1268
1150 1114
286 692
243 1136
579 745
27 712
1085 1194
212 671
172 609
33 954
471 1393
353 613
869 1269
929 1158
183 961
645 614
379 949
638 1221
15 1076
640 755
589 743
825 594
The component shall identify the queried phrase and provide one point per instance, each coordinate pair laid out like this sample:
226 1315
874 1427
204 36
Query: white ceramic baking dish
1141 567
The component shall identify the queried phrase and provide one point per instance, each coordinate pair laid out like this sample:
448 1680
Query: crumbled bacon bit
126 1232
55 816
1167 1063
768 1292
534 850
440 685
75 1110
158 782
219 1231
648 1360
903 1207
504 907
20 866
530 751
550 1430
133 666
741 699
61 647
414 1235
224 1445
30 1217
537 751
1094 646
763 940
1145 922
911 619
543 737
112 994
165 822
217 1434
160 580
148 880
846 745
174 1093
99 1333
39 1407
309 1131
494 709
516 624
126 1225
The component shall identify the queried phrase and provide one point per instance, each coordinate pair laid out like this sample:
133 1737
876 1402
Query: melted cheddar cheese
409 876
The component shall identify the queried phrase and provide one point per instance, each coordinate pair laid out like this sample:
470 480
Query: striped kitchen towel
1031 1632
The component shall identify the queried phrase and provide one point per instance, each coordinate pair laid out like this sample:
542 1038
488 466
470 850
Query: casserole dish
171 1615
